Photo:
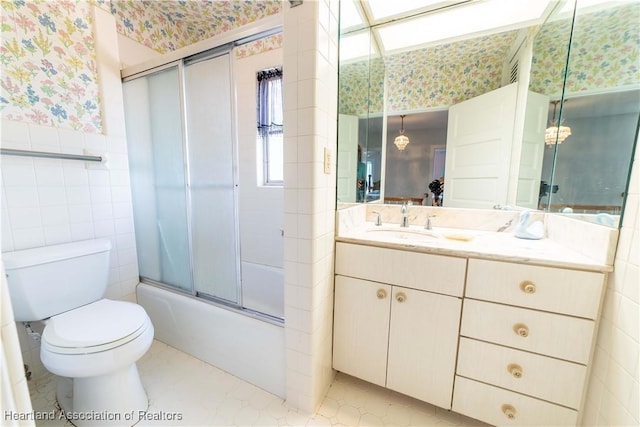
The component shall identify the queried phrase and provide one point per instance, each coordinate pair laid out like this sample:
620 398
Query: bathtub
246 347
263 289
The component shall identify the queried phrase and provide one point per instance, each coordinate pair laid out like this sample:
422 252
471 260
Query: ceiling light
553 133
556 132
401 140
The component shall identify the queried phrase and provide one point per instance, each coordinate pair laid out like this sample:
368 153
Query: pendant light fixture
555 131
401 140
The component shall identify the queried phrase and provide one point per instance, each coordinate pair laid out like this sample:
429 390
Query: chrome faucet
378 220
427 225
405 217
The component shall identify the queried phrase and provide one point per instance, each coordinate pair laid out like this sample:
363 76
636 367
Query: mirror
589 171
422 84
361 85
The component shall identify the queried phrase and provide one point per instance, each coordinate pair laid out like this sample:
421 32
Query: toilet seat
96 327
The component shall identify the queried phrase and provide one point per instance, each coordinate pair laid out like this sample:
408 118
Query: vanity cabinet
396 319
526 340
506 343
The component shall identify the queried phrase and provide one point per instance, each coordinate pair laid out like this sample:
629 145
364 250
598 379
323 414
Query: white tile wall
614 396
310 91
260 208
47 201
15 394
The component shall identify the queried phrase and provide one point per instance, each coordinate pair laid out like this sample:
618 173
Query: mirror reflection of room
410 172
423 82
588 170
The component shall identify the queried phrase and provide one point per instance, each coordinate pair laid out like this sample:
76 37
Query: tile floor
207 396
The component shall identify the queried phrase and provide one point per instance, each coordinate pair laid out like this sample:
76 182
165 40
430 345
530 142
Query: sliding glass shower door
154 132
183 176
211 175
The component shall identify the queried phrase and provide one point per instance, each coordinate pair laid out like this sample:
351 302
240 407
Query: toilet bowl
90 342
96 347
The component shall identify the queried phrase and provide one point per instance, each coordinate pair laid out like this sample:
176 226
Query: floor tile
203 395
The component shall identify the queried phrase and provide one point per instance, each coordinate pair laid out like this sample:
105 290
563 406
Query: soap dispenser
524 230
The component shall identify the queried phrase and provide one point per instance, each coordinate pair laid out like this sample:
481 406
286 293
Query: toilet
90 342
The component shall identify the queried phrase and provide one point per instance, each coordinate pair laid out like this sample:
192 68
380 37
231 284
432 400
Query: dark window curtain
270 102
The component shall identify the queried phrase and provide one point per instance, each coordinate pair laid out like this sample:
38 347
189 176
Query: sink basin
403 233
418 234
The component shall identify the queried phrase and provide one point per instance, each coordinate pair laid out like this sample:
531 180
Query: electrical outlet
327 161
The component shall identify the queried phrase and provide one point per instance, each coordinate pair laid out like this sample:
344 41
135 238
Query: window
270 133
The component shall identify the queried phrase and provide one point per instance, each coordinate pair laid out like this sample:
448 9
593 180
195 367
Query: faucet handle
378 220
427 224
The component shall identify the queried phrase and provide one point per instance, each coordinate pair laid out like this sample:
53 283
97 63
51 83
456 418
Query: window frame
268 130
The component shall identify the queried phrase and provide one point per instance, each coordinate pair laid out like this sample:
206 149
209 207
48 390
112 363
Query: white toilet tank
50 280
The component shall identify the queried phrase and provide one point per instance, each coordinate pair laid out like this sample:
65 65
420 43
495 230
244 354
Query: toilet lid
95 324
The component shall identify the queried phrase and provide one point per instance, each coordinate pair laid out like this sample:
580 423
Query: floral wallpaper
48 63
49 75
167 25
605 52
361 88
425 78
258 46
446 74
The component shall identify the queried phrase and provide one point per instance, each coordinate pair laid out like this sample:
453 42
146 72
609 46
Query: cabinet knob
528 287
515 370
381 294
521 329
509 411
400 297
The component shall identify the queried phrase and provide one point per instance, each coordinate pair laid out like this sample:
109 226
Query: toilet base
116 399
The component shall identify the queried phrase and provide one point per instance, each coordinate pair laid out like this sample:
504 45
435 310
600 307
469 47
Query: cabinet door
361 328
423 340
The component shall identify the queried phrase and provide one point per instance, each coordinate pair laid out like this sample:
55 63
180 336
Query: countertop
491 245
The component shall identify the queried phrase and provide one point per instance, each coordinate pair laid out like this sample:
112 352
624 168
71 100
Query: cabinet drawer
550 334
501 407
435 273
523 372
572 292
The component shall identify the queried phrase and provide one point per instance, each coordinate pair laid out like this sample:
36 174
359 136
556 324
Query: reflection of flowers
437 188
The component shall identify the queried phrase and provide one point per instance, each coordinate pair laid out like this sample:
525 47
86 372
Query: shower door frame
226 49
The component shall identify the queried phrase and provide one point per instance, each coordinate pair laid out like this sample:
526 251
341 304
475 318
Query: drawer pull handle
509 411
521 329
528 287
515 370
381 294
401 297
